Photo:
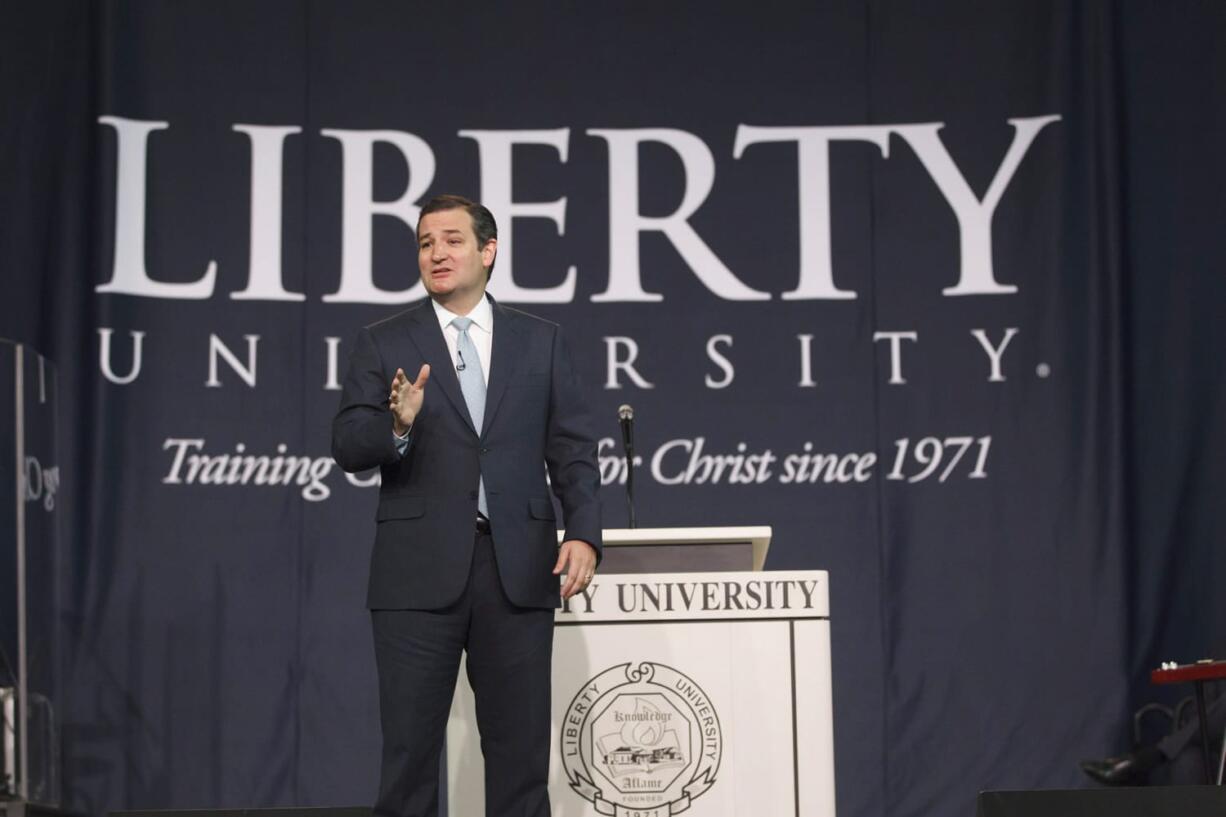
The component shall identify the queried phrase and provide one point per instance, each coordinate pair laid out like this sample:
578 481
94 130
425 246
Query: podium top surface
681 536
758 537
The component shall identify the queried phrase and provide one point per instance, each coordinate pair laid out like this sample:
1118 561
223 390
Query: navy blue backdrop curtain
933 289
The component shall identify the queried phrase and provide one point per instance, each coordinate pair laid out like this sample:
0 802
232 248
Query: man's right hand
405 399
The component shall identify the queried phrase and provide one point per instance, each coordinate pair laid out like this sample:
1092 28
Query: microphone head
625 412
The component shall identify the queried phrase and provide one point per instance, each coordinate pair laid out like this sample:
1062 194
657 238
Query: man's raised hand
405 399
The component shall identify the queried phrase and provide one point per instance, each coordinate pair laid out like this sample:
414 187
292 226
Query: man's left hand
577 559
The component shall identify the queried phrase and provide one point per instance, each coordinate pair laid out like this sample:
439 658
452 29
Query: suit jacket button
485 451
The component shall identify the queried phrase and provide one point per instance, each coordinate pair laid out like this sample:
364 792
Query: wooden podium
687 680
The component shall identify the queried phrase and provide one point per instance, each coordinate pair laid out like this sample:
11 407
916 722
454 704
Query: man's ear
488 252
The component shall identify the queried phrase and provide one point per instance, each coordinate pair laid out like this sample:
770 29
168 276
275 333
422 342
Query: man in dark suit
465 555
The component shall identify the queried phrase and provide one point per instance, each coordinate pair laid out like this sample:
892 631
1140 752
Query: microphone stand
625 418
630 485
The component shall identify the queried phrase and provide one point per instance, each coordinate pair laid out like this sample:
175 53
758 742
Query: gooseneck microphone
625 418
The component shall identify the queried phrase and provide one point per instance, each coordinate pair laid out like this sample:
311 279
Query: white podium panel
707 693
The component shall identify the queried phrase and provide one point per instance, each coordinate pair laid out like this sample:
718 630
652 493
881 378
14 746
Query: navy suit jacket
535 418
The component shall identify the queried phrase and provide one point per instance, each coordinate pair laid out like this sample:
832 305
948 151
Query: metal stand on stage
30 612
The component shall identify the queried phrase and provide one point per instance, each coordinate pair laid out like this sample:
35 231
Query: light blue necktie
472 383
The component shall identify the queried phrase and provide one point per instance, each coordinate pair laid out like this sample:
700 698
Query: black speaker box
1150 801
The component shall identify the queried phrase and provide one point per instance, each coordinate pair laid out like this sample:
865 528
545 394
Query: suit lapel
504 358
427 335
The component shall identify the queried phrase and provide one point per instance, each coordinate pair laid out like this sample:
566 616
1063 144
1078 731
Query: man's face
452 265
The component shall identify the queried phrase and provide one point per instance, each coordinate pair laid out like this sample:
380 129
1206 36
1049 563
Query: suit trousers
417 653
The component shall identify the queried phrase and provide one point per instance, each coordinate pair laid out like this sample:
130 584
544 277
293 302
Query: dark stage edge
1149 801
20 808
286 811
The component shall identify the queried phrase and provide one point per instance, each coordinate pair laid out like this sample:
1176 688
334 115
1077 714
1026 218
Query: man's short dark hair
483 220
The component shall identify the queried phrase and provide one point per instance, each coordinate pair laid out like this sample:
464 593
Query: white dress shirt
480 331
